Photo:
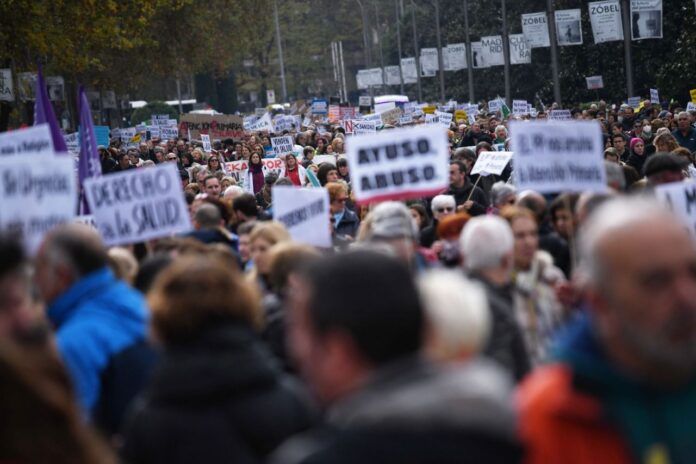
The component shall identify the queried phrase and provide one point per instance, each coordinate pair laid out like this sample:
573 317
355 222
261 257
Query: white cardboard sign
304 212
282 145
205 138
34 140
138 204
398 164
491 162
37 193
681 199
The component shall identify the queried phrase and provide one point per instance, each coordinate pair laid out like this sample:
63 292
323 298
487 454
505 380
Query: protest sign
535 29
495 105
492 50
633 102
238 170
654 96
321 159
520 53
646 19
406 120
217 126
333 113
138 205
282 145
680 197
460 116
399 164
348 126
37 193
126 134
691 106
391 116
409 71
264 123
72 141
6 88
431 119
558 156
491 162
520 107
270 96
568 27
347 112
594 82
364 127
320 106
305 214
560 115
692 93
365 100
445 119
605 18
205 138
456 56
169 132
429 60
35 140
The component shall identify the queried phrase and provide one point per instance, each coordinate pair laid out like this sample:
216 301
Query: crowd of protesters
484 324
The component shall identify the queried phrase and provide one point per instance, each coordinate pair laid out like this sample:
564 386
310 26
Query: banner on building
492 49
520 53
605 18
568 27
646 19
536 30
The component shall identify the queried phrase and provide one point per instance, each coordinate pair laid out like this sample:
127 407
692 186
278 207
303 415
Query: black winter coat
218 399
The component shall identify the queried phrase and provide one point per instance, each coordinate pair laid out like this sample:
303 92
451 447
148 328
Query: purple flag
89 164
43 113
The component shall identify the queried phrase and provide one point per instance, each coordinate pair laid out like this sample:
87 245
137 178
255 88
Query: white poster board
138 204
455 56
362 126
37 193
680 197
646 19
205 138
304 212
605 18
594 82
520 52
558 156
491 162
520 107
35 140
282 145
398 164
535 29
654 96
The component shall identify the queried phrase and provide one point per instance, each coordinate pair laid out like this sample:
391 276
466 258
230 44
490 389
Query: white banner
477 58
605 18
37 193
568 27
428 58
399 163
491 162
536 30
680 197
492 48
35 140
138 204
456 56
304 212
558 156
495 105
594 82
520 53
6 87
282 145
264 123
520 107
409 70
646 19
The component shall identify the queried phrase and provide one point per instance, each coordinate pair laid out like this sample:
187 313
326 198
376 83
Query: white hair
441 201
610 220
457 312
484 242
501 127
232 192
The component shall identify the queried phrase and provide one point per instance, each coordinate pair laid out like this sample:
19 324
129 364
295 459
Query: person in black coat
468 196
217 396
346 223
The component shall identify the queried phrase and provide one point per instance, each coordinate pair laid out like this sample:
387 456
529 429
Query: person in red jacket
623 387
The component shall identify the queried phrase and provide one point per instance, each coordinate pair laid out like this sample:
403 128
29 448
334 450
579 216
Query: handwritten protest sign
304 212
445 119
138 205
205 138
680 197
217 126
282 145
398 164
558 156
37 193
491 162
34 140
560 115
361 127
238 170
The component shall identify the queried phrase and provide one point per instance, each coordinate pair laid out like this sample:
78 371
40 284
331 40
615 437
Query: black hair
378 308
149 269
12 256
324 170
461 165
246 203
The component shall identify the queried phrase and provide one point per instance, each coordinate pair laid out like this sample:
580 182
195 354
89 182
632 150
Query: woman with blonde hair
217 395
262 237
665 142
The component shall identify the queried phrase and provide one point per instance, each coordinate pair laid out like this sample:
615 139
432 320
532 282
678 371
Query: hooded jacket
217 399
95 319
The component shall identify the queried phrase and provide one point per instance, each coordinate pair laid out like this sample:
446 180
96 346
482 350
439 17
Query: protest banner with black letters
557 156
282 145
37 193
399 164
34 140
304 212
138 205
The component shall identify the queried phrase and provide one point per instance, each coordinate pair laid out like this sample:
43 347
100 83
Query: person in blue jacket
95 315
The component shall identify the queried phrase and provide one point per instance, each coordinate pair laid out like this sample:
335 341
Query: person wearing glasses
441 207
345 221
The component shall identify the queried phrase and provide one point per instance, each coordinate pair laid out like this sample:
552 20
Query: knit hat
391 220
634 141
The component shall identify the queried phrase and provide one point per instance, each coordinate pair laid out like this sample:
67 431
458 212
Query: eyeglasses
341 200
171 158
445 209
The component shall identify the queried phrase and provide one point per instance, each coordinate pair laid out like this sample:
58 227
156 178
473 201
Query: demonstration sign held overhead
138 205
398 164
558 156
304 212
282 145
680 197
37 193
491 163
33 140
